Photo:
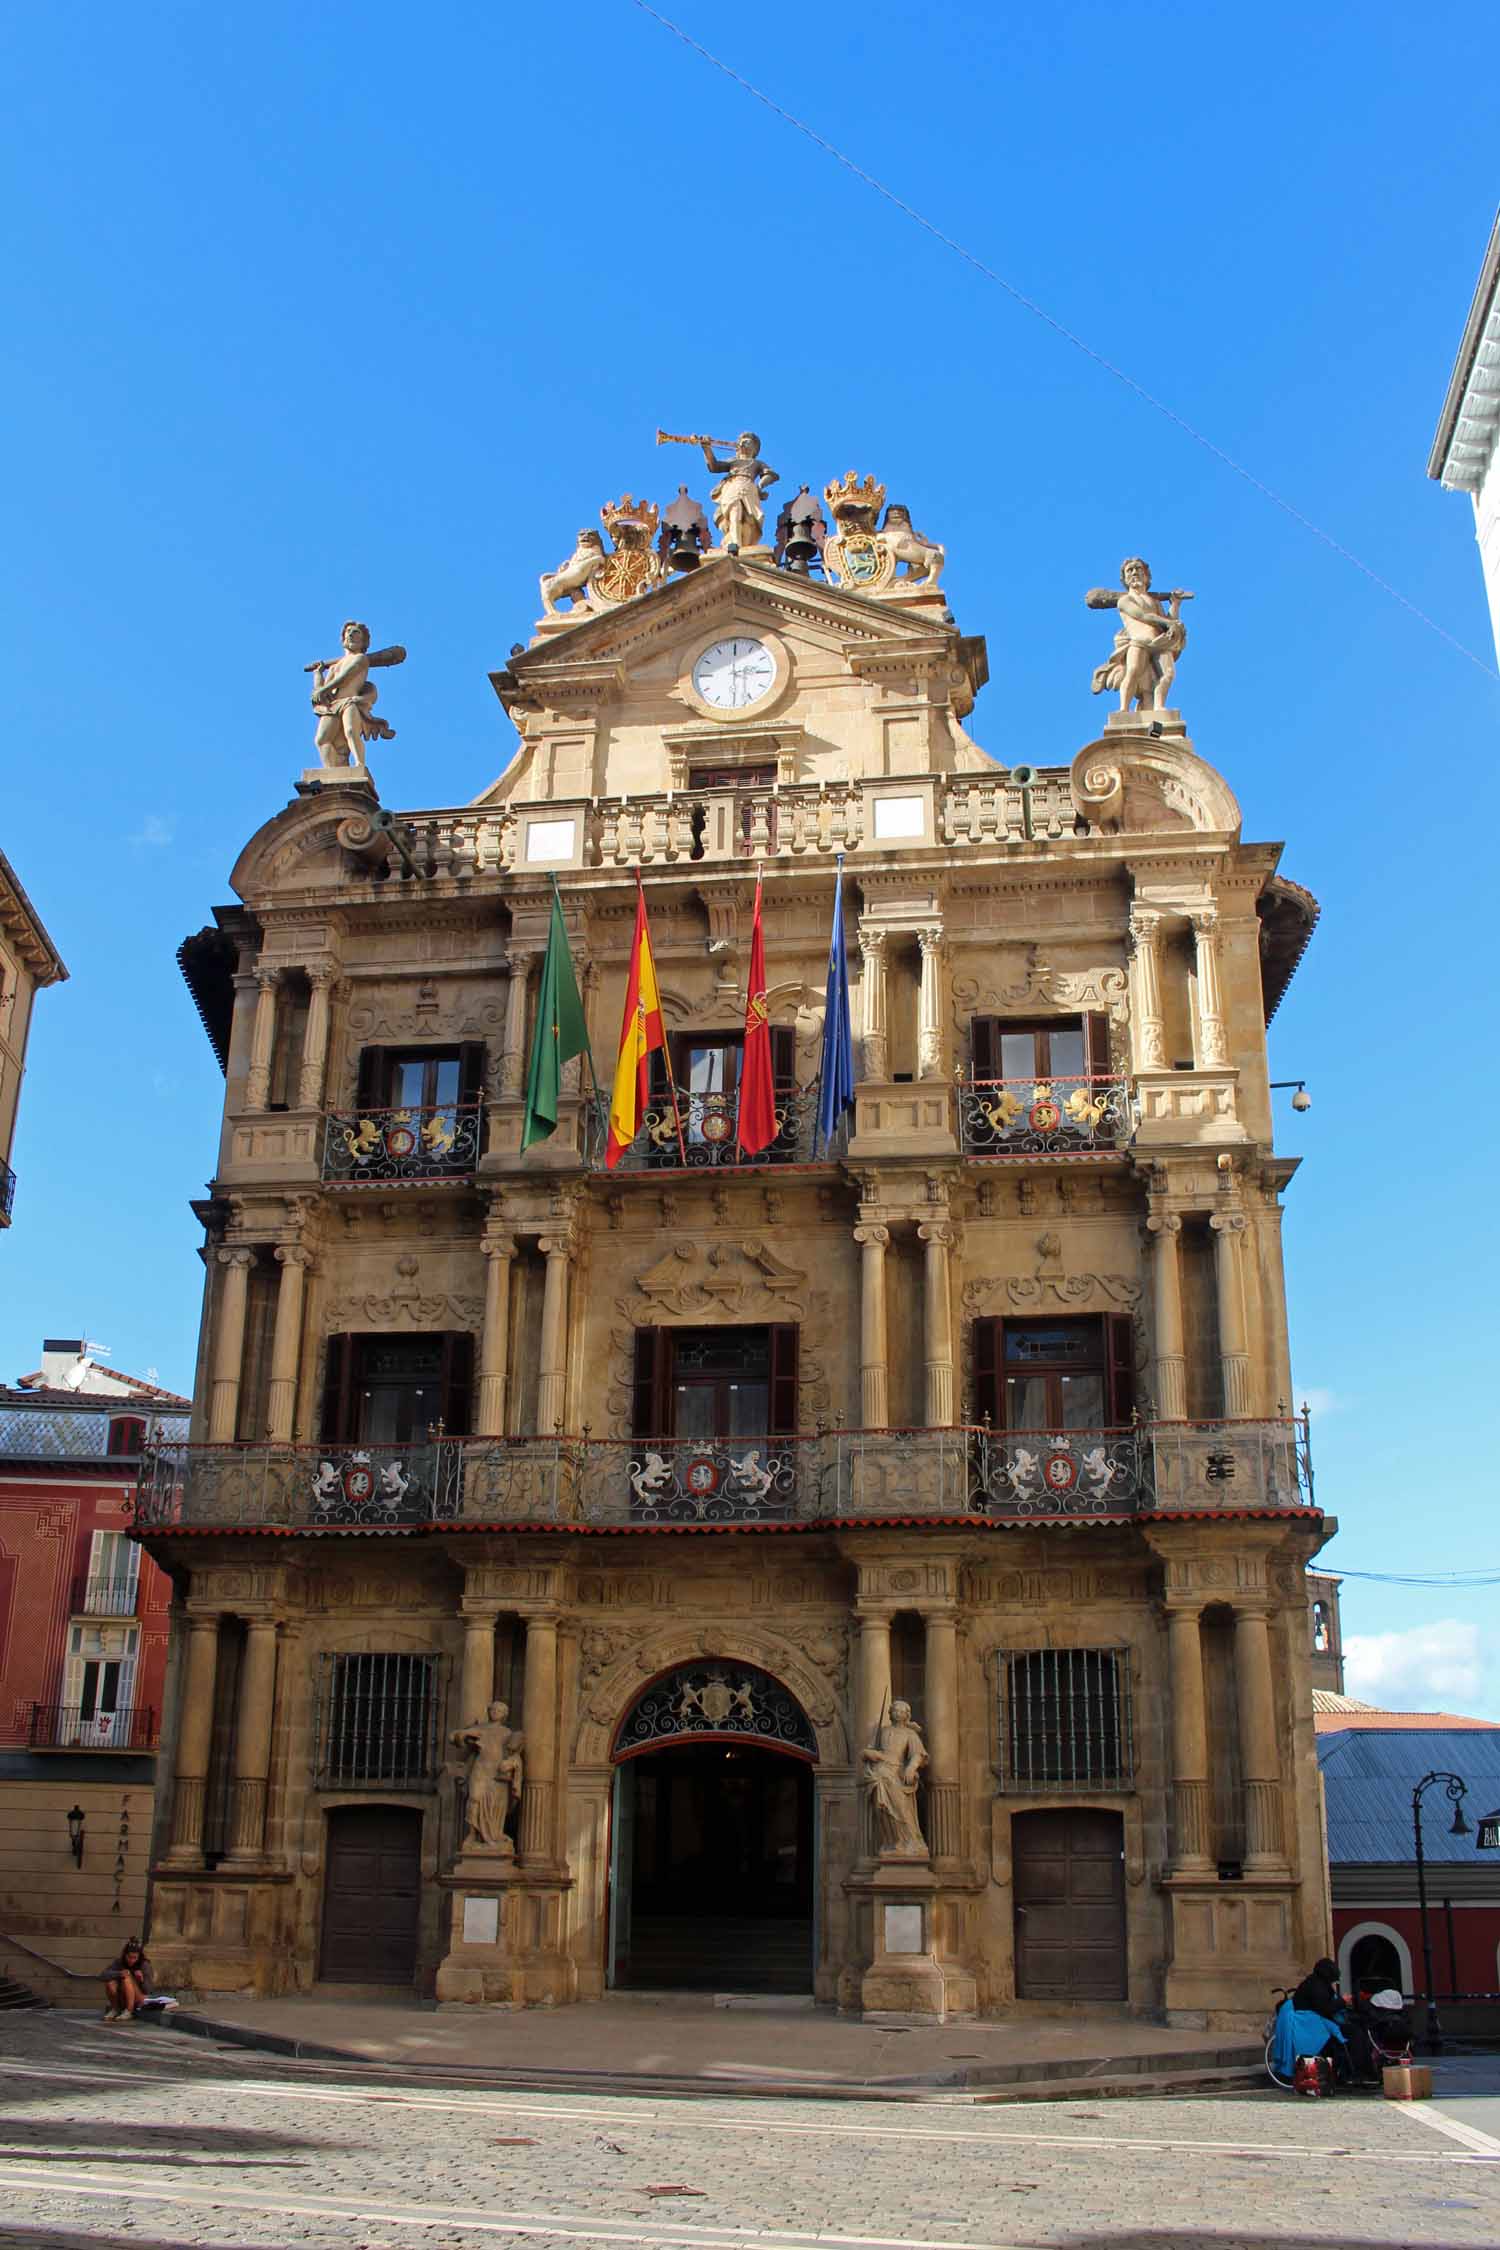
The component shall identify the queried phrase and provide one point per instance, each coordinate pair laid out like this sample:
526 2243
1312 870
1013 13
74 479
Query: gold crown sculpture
630 514
850 496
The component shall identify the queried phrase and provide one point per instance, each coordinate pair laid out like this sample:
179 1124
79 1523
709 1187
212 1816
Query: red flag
757 1125
641 1029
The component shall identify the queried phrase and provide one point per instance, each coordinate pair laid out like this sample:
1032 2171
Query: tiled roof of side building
1369 1774
32 1388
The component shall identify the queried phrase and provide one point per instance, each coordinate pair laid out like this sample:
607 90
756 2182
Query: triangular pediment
608 705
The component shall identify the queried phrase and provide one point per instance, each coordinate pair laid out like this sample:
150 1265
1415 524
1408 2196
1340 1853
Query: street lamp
1456 1790
75 1834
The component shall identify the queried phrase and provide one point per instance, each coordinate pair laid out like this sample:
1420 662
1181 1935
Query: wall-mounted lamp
75 1834
1302 1099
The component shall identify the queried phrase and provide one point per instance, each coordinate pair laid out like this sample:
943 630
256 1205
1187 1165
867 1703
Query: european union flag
836 1070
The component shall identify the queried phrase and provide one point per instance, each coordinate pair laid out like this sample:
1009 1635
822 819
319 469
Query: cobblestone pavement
116 2135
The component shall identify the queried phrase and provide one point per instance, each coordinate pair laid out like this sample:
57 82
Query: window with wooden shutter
1096 1044
336 1426
984 1059
369 1082
649 1407
988 1382
457 1382
1121 1383
783 1396
783 1054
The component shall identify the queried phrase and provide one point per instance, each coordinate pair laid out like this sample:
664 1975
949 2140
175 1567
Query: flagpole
600 1113
666 1036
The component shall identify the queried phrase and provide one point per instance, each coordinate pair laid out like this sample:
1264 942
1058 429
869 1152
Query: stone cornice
25 930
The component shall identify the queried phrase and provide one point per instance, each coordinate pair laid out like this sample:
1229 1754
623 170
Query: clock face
735 672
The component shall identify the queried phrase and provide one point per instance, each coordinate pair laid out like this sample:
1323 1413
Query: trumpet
672 437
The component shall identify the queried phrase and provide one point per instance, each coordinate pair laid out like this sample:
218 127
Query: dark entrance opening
713 1870
371 1895
1068 1872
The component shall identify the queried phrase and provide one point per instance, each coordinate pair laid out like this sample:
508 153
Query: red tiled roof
32 1388
1395 1722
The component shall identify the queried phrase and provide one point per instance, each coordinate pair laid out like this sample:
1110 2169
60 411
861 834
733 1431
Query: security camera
1302 1099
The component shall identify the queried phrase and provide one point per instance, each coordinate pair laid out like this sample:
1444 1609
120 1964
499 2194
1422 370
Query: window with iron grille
1065 1720
377 1721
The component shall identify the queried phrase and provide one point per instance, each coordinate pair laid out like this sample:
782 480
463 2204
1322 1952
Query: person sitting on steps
127 1981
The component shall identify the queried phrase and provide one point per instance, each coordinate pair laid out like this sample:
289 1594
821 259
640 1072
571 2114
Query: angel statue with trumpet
344 698
739 498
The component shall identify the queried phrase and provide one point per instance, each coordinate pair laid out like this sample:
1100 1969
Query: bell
801 550
683 552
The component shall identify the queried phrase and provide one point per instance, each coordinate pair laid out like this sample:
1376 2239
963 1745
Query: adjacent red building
83 1644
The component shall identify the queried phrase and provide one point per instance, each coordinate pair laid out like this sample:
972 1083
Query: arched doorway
372 1895
711 1864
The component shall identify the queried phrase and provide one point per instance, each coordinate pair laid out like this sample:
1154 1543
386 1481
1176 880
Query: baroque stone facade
707 1467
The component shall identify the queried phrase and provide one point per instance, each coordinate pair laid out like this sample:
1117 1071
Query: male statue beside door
893 1763
492 1780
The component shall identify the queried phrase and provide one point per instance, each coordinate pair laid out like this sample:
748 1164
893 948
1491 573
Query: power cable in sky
1059 328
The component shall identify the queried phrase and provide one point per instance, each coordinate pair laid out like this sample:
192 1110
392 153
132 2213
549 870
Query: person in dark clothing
1319 1991
1319 1994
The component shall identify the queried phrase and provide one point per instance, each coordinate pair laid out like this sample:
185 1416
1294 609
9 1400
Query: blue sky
356 312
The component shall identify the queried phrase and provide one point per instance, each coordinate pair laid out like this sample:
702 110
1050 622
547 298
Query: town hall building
871 1565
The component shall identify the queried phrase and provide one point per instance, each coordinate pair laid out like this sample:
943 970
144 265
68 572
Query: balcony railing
915 1474
402 1144
106 1597
7 1193
1042 1116
710 1125
70 1726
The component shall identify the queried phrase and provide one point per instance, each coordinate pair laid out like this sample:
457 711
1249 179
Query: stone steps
720 1954
13 1995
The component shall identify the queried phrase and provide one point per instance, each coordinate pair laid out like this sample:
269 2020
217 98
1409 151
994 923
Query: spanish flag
757 1107
641 1029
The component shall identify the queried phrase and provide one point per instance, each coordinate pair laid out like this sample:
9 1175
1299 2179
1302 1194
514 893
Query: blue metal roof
1369 1775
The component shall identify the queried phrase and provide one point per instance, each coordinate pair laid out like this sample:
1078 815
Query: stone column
252 1741
1213 1050
930 1004
938 1325
321 977
1190 1798
286 1344
539 1725
872 1697
552 1386
1147 1025
1234 1360
262 1039
1165 1230
513 1053
229 1345
1260 1765
494 1344
476 1687
194 1737
874 1397
942 1733
872 1003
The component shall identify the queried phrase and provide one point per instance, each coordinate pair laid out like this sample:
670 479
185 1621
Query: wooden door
371 1895
1069 1890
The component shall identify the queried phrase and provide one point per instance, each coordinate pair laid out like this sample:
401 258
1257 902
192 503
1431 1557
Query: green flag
561 1032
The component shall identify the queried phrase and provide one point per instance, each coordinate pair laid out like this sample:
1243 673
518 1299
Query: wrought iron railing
1062 1472
376 1721
911 1474
710 1126
106 1597
1064 1719
73 1726
1042 1116
402 1144
7 1194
